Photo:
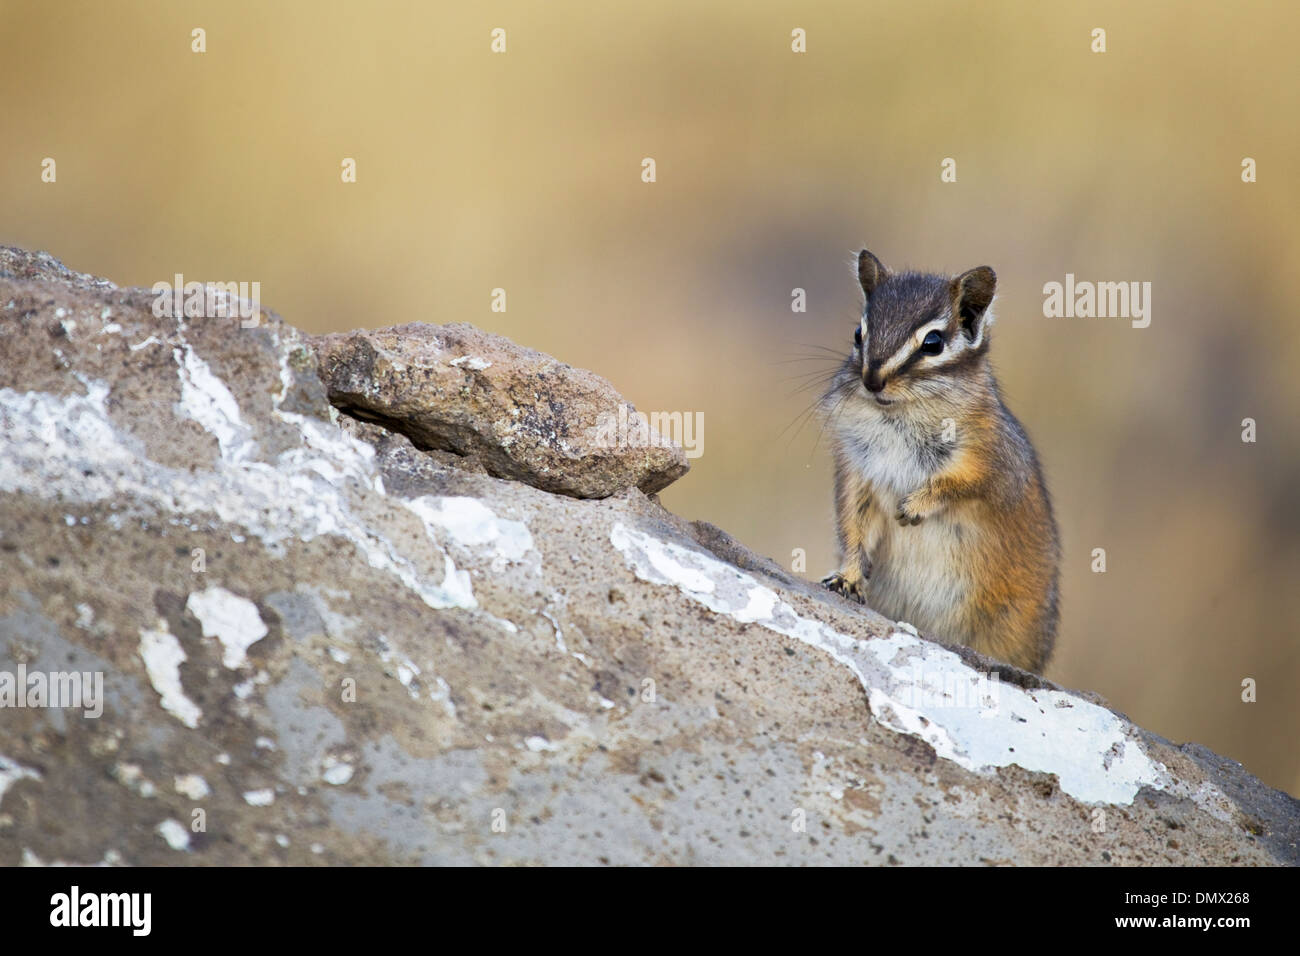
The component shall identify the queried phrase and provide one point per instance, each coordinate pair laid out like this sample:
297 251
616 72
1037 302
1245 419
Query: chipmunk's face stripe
918 331
909 354
957 351
900 306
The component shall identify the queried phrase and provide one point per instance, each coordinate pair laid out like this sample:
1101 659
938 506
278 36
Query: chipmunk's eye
933 344
857 336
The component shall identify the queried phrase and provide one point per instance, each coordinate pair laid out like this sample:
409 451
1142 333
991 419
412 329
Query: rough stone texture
384 657
520 414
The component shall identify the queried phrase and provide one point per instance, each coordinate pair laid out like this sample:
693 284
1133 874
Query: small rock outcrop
520 414
240 625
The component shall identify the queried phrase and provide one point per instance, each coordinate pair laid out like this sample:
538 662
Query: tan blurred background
522 171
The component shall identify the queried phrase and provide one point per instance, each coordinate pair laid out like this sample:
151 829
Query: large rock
319 643
520 414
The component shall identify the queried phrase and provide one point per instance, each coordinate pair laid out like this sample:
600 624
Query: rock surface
319 643
520 414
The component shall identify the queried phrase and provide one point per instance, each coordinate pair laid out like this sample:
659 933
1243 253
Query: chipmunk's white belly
921 573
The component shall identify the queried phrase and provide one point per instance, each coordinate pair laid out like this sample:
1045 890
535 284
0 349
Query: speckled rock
301 639
520 414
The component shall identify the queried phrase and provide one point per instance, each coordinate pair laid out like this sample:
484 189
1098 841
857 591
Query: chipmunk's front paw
852 588
914 508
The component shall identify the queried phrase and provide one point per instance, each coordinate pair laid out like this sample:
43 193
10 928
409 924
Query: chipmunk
942 511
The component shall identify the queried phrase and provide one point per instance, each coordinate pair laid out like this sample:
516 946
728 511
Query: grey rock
519 414
322 644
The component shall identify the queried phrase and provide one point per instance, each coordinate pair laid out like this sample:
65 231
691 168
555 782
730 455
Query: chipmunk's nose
872 379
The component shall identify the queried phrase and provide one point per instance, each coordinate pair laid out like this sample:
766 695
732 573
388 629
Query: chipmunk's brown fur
943 515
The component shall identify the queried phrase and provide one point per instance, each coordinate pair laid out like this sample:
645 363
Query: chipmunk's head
920 335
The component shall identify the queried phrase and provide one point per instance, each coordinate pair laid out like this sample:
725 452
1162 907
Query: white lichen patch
131 776
163 656
336 772
259 798
559 632
231 619
110 858
174 832
11 772
1088 748
474 525
407 672
206 400
442 695
919 688
471 362
191 785
66 447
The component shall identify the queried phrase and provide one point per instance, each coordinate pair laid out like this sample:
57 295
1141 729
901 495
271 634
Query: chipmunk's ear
972 293
871 272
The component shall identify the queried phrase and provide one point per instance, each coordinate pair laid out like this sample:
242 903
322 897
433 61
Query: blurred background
522 171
